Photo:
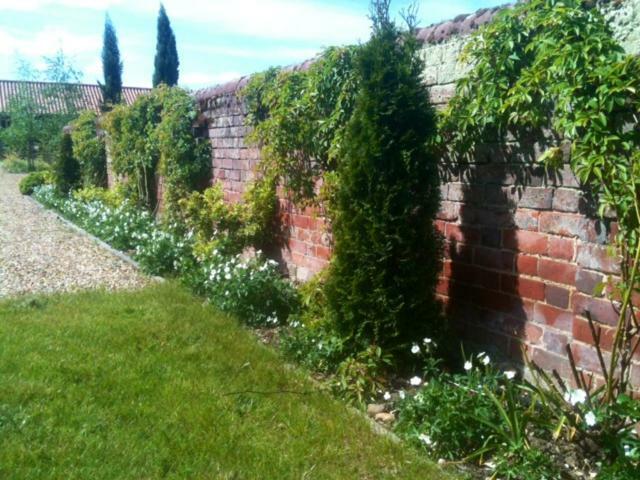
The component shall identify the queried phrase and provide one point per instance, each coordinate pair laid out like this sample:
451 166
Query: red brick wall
306 248
523 254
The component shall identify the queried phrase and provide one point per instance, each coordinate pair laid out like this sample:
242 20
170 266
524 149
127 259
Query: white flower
415 349
426 439
485 360
627 450
401 394
427 340
415 381
510 374
387 396
590 419
467 365
575 397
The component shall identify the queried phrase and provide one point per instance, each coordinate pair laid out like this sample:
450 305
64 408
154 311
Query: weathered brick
559 272
565 224
552 316
554 341
586 357
582 333
600 309
551 361
568 200
556 296
561 248
538 198
526 219
449 211
586 281
524 287
525 241
597 257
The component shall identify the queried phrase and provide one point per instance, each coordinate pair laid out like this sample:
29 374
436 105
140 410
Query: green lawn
153 384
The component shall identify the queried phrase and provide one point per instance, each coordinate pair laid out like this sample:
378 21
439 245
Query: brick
491 237
472 275
582 333
323 252
568 200
448 211
597 257
554 317
586 281
527 265
462 233
600 309
586 357
561 248
525 241
493 258
551 361
523 287
555 342
559 272
566 225
532 333
526 219
486 217
459 252
557 296
536 198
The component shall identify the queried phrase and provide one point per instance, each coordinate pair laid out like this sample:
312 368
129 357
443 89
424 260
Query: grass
153 384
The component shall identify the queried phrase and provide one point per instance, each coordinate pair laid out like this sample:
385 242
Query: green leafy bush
14 164
66 169
381 286
33 180
252 289
89 150
155 136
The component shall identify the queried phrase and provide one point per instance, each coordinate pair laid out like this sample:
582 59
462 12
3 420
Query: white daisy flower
510 374
590 419
415 381
468 365
415 349
387 396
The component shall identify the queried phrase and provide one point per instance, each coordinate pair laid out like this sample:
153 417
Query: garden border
118 253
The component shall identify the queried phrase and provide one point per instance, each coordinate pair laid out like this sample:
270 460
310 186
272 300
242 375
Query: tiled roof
84 96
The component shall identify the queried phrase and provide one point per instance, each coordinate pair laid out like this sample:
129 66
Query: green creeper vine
551 68
155 135
299 119
89 150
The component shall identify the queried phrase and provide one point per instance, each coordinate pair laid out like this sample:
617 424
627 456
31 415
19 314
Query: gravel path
39 254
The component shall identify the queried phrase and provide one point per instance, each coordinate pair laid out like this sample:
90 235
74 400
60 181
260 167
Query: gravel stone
40 254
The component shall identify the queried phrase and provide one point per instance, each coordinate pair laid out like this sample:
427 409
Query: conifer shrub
380 289
67 169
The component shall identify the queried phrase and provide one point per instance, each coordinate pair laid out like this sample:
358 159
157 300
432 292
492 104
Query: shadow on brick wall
487 202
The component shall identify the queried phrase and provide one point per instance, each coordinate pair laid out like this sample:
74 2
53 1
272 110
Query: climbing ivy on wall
552 69
156 135
299 119
89 150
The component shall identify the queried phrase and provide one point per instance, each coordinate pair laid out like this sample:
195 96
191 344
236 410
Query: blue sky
218 40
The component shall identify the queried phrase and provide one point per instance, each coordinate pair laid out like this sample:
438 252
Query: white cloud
255 52
274 19
46 42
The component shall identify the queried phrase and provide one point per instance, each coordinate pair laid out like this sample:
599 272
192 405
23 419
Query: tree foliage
155 136
111 67
66 169
166 62
89 150
383 273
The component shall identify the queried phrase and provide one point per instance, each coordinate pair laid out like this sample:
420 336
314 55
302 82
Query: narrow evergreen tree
111 67
381 284
166 62
67 168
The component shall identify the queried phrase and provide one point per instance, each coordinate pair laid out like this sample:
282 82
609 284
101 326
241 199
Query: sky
217 40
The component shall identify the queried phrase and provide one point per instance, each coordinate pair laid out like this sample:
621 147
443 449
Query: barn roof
55 97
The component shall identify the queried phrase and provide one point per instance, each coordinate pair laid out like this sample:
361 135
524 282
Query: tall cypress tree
381 287
111 66
166 62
